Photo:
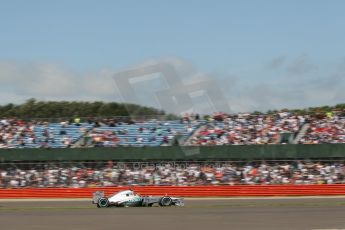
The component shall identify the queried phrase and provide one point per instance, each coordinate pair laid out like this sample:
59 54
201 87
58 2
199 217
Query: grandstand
150 133
254 148
281 127
18 134
245 129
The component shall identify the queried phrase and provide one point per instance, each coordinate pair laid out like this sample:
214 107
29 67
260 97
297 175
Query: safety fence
186 191
231 152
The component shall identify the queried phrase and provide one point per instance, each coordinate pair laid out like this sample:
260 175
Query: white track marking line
186 198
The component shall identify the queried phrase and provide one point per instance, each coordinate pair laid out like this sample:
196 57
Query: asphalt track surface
210 214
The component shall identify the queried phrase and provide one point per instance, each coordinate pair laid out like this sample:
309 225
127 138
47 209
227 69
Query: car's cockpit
126 193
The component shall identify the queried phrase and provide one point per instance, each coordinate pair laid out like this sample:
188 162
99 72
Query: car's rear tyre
165 201
103 202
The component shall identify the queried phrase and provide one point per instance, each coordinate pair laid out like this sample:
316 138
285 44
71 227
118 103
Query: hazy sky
263 54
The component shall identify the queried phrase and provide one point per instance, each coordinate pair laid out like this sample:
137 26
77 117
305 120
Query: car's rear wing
96 196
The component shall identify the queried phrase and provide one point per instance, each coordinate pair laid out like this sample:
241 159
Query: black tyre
165 201
103 202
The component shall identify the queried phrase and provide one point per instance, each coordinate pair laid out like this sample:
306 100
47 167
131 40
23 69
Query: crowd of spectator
182 173
325 130
219 129
151 133
15 132
247 129
103 132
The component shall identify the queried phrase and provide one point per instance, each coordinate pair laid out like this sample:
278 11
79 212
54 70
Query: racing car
127 198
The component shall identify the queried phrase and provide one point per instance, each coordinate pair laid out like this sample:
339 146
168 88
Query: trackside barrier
186 191
172 153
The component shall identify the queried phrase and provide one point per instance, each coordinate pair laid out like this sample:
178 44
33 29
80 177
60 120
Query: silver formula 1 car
127 198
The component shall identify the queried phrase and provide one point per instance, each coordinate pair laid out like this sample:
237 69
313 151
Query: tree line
57 109
69 109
